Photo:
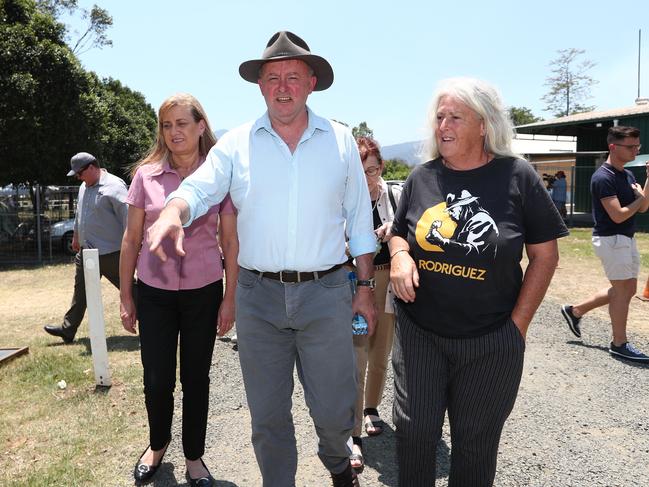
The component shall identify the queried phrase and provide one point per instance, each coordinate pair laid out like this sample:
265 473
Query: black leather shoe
59 331
203 481
346 478
143 473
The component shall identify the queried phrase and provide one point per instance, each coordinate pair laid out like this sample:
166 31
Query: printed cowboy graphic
476 231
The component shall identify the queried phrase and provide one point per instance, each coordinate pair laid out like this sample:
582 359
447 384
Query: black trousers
165 316
475 379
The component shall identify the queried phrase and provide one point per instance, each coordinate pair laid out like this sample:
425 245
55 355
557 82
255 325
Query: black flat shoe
143 473
202 481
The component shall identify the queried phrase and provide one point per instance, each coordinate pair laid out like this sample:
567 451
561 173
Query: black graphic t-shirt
467 231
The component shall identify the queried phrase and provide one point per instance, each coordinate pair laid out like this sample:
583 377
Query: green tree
569 85
50 107
362 130
129 125
396 170
97 19
522 116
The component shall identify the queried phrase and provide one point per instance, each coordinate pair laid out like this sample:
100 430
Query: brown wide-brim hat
283 46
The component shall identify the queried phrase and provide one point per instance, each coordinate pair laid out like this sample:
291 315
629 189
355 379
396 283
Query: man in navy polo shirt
617 197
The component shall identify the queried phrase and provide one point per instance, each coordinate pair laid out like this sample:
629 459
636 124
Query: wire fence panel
36 223
578 196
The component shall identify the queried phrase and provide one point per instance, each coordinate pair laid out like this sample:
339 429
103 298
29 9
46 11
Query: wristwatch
371 283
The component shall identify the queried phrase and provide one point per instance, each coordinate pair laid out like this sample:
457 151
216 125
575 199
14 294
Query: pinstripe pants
475 379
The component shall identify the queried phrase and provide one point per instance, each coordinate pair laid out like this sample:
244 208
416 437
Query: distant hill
406 151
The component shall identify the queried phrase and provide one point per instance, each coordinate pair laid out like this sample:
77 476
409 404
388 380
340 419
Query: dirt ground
547 414
580 279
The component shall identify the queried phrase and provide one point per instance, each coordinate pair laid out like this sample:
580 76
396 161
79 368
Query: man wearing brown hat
299 187
99 223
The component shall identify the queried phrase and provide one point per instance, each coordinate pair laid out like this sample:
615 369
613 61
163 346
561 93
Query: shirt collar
103 174
161 168
164 167
607 165
315 123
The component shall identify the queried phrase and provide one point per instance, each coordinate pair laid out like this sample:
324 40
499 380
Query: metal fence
36 223
578 171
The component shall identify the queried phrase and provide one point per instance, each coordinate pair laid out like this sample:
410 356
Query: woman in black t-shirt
463 301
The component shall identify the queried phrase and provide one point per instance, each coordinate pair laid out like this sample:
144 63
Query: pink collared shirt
201 264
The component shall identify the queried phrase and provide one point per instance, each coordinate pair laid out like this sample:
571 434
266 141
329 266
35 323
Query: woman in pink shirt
182 296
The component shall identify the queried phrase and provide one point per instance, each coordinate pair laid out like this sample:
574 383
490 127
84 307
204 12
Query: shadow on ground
380 454
166 477
118 343
640 365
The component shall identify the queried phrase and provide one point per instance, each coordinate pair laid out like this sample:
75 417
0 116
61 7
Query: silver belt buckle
281 277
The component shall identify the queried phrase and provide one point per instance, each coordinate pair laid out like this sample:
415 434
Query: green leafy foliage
522 116
396 170
51 108
362 130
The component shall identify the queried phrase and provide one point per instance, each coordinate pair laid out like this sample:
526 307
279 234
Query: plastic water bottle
359 325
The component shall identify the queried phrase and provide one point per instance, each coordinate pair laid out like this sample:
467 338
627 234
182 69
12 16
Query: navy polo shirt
607 182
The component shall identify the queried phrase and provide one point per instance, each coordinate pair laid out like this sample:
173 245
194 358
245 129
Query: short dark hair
616 134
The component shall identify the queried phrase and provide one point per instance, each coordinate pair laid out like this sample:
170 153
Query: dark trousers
165 316
475 379
108 267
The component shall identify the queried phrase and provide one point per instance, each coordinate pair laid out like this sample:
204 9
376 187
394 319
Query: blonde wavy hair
159 152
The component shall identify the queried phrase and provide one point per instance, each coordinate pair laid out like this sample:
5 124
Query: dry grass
79 436
50 436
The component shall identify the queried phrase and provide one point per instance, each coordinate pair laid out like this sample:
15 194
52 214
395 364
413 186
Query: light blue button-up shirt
294 209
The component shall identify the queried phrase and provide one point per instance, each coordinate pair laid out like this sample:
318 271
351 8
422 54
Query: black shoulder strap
391 195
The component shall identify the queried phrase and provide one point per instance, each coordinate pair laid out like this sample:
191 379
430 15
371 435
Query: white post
96 317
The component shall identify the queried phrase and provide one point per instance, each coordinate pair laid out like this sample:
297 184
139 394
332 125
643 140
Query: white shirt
293 208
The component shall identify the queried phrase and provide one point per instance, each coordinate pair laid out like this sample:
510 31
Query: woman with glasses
372 352
181 298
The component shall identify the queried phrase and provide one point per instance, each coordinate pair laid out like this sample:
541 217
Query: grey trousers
308 325
475 379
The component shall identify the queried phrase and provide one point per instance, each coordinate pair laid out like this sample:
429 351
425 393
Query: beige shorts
619 256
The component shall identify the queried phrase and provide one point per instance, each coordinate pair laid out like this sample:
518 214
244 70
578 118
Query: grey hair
484 100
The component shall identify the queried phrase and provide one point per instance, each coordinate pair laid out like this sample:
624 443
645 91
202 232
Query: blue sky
387 56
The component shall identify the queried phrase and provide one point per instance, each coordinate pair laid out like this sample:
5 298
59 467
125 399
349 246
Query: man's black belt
295 276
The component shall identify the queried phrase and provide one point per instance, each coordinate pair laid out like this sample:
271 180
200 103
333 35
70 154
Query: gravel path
581 419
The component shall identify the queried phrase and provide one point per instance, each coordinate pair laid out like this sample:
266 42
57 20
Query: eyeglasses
630 146
372 171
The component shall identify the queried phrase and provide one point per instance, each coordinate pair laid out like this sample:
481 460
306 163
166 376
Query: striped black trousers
475 379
